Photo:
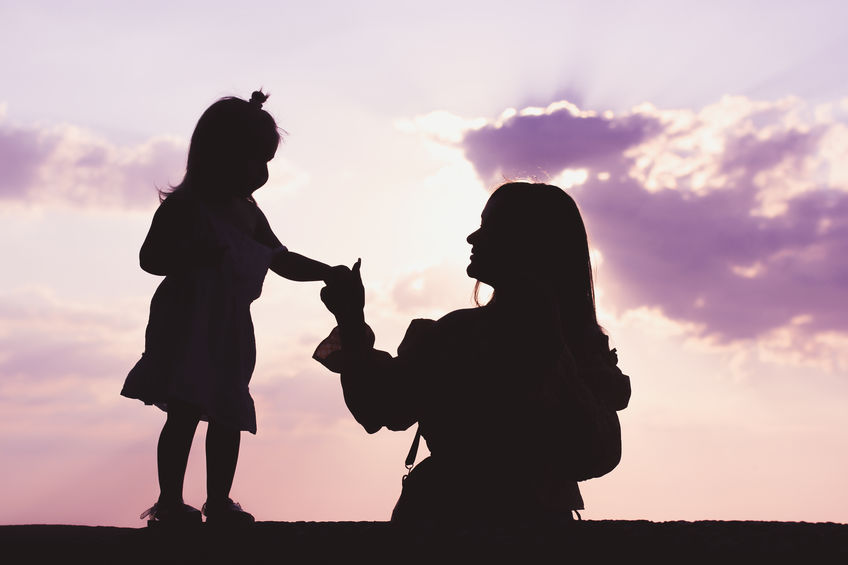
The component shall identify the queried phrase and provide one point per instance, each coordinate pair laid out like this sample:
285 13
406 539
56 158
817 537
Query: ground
379 542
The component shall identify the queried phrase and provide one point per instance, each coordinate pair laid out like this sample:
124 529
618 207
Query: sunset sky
705 142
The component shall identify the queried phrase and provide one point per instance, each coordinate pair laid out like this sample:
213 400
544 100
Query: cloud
733 218
428 291
45 344
539 142
309 402
70 165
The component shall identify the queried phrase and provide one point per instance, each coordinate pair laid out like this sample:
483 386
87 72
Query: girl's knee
180 412
223 430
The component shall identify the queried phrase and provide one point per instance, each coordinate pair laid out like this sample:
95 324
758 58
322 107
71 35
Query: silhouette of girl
214 246
492 388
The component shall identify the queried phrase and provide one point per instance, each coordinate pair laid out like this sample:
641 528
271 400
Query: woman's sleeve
380 390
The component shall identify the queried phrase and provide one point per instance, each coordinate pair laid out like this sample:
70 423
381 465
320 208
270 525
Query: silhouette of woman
214 246
490 387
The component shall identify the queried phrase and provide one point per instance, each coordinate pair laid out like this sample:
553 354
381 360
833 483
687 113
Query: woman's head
231 146
534 230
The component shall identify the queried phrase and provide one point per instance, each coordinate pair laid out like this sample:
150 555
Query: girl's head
231 146
534 230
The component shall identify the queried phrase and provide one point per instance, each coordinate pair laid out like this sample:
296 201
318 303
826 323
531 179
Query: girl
214 246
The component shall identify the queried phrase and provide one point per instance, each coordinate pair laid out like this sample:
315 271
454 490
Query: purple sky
705 142
705 255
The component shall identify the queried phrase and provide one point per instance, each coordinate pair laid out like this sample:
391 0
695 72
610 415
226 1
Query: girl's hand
337 273
344 294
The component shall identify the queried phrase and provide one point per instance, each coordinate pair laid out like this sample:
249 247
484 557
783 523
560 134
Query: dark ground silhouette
379 542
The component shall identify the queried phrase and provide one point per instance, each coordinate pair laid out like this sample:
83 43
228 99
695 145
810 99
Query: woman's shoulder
422 332
460 320
450 321
463 315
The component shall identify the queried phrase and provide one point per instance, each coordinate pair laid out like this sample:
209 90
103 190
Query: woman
502 392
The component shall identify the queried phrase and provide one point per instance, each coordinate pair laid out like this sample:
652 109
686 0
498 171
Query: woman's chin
474 272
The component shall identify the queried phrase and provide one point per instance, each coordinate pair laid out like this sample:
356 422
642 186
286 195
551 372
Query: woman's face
496 255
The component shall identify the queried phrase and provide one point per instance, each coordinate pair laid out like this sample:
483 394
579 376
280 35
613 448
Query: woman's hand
344 294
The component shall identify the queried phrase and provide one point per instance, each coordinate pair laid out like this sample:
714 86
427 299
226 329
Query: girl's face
256 174
251 173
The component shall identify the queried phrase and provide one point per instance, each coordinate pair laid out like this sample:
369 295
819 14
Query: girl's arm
177 240
288 264
296 267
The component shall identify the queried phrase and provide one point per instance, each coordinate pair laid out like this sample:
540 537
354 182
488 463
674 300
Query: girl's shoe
178 514
226 513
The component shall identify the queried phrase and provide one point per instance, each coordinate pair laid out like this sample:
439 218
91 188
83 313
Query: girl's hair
230 130
547 224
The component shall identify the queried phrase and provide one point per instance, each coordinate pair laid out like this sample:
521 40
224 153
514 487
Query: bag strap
413 452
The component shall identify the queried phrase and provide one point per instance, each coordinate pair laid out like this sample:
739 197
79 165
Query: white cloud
70 165
440 125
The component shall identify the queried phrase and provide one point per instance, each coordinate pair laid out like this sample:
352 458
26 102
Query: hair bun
257 98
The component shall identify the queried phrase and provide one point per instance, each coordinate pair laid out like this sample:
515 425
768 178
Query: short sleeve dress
199 343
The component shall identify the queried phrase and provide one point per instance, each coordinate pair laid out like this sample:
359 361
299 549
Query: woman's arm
379 389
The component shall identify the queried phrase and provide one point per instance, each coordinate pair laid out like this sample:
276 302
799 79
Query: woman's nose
472 237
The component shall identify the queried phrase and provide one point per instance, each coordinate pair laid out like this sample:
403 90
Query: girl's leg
172 453
222 450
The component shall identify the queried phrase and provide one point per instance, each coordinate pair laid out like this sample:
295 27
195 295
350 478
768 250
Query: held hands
335 274
344 294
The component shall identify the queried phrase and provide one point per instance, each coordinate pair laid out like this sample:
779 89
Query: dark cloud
749 154
68 165
718 257
534 145
689 255
21 154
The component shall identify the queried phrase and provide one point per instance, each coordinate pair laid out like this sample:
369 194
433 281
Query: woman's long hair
230 130
546 224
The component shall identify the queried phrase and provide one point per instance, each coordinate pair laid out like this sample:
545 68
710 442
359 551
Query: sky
705 143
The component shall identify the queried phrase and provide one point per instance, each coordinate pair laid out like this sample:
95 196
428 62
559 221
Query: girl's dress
199 344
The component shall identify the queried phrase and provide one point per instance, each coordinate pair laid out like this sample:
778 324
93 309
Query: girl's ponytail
257 98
